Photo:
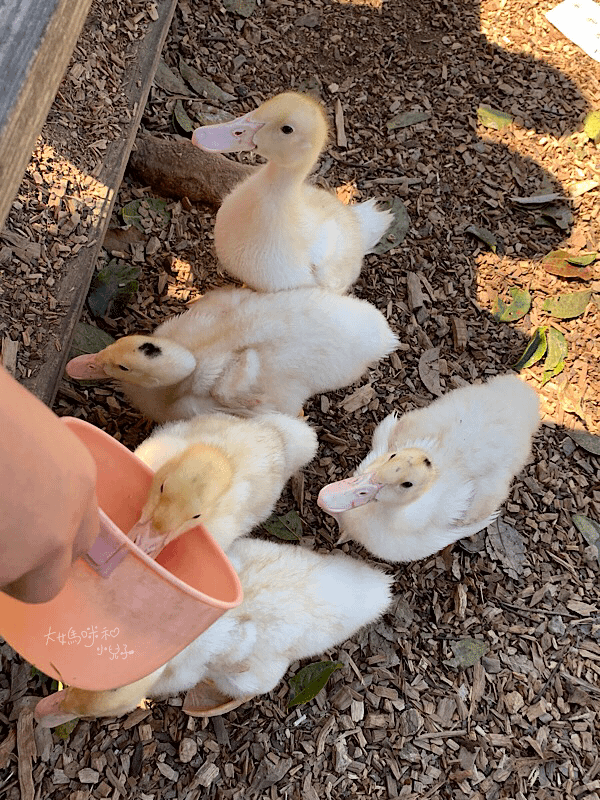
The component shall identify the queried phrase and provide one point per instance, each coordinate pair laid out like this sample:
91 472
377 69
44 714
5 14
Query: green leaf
509 312
589 529
169 81
566 265
181 121
583 260
66 729
136 211
116 281
466 653
203 86
591 126
568 306
555 358
288 527
407 118
487 237
492 118
398 229
88 339
534 351
588 441
308 682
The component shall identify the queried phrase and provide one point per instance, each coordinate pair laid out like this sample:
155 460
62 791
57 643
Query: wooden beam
37 41
79 269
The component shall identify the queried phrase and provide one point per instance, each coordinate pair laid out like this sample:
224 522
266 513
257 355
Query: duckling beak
86 368
229 137
147 538
350 493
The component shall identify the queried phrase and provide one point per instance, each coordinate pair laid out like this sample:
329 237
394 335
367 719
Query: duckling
224 471
274 230
297 603
439 473
239 351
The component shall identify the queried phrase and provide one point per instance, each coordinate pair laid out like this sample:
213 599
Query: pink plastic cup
122 614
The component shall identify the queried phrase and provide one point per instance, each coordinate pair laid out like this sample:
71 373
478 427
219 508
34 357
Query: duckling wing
372 222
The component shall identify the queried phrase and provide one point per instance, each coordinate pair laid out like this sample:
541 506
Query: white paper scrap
579 21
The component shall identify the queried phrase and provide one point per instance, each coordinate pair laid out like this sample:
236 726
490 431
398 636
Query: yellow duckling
240 351
274 230
439 473
296 604
219 470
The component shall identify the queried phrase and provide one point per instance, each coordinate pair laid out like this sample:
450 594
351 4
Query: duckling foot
48 712
206 700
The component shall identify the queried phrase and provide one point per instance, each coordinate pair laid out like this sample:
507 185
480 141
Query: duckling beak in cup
230 137
350 493
85 368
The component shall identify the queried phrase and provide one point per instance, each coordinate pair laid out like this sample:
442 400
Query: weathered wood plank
79 269
37 40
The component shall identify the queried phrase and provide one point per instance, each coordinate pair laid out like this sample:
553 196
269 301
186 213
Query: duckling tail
373 223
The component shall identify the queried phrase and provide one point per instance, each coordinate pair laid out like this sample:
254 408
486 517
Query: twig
440 735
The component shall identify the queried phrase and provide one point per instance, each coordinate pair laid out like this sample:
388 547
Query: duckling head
405 475
147 361
290 130
185 491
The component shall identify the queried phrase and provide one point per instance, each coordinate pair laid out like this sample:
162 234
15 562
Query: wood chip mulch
399 721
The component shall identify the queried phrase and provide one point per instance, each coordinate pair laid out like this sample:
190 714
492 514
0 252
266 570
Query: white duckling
439 473
223 471
297 603
274 230
240 351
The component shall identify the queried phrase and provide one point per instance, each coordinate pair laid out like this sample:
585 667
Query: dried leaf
203 86
509 312
429 370
120 239
359 398
581 187
591 126
466 653
308 682
566 265
397 230
536 199
492 118
589 529
555 357
558 215
407 118
181 121
534 351
288 527
581 608
568 306
169 81
487 237
570 398
588 441
505 543
244 8
116 281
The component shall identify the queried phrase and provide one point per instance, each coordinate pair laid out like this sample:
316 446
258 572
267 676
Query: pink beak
85 368
350 493
146 538
229 137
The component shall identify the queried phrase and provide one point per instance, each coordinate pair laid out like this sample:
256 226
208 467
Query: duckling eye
287 129
125 369
162 488
406 484
393 455
427 462
196 516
